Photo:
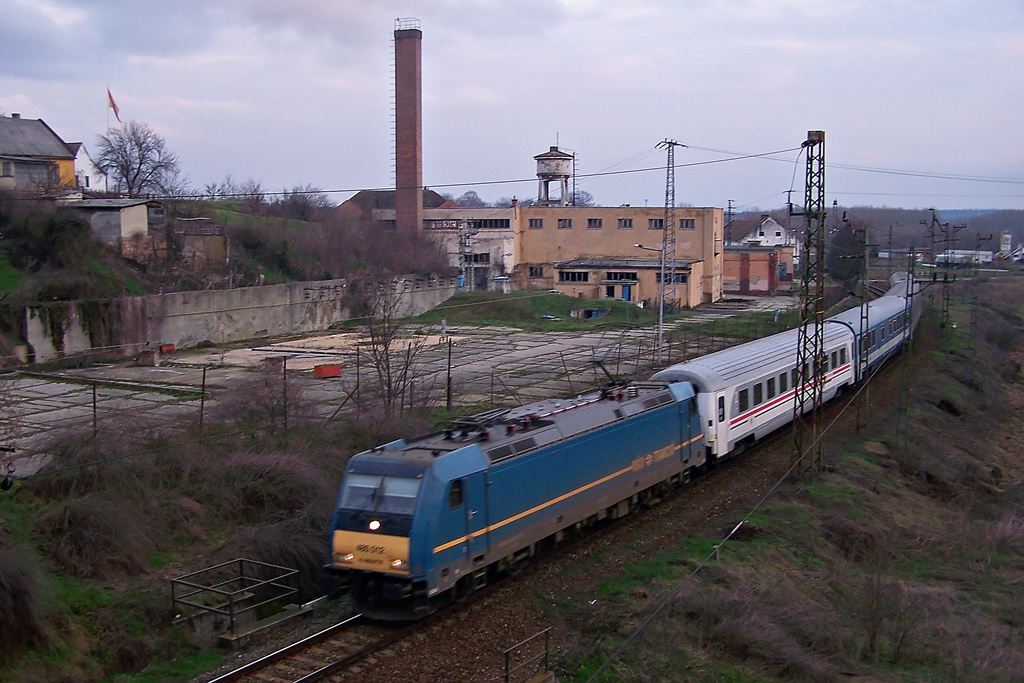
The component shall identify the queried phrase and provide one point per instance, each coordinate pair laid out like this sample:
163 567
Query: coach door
475 509
720 430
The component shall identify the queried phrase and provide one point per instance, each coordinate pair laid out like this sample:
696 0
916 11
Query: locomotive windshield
376 493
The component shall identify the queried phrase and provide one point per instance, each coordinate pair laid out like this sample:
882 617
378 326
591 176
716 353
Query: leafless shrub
861 543
989 655
81 465
298 543
95 537
391 348
265 403
21 612
885 608
121 651
260 487
737 624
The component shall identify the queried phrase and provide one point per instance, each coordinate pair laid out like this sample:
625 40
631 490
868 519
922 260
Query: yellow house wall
543 247
66 173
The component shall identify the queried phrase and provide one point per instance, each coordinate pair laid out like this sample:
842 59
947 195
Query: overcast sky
299 92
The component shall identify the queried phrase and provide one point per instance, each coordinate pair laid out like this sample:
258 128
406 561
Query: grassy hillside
901 561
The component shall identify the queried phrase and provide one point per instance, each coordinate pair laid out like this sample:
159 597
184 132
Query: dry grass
22 618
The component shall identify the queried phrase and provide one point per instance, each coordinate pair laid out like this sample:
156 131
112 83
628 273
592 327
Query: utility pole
668 243
948 277
728 220
974 284
890 253
809 387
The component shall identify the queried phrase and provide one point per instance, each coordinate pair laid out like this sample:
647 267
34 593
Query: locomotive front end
370 539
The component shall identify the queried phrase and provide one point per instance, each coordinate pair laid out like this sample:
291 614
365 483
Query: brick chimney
408 125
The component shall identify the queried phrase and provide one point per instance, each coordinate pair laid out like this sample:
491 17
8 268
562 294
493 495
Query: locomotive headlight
347 558
399 564
374 524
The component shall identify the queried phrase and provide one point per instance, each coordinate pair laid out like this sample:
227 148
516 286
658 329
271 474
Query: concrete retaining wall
130 325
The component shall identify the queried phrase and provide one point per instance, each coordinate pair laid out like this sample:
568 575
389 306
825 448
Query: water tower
553 165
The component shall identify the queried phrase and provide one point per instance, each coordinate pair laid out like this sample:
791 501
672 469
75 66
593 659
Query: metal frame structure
668 242
809 397
219 590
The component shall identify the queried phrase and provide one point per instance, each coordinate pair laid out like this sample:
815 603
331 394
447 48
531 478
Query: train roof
880 309
748 361
505 433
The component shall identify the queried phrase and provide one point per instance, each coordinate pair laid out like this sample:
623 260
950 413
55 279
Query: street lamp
661 298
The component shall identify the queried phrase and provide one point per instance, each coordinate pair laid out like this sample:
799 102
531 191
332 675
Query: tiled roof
31 138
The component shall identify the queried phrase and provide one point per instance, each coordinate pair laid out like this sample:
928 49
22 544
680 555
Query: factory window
778 233
455 494
594 224
687 224
478 223
482 258
758 394
565 224
574 276
656 223
782 382
389 224
441 224
744 400
614 275
536 271
625 224
8 169
680 278
771 388
536 223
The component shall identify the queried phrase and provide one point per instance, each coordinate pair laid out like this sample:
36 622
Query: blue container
460 281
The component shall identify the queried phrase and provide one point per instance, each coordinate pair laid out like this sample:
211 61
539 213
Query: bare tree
136 160
392 350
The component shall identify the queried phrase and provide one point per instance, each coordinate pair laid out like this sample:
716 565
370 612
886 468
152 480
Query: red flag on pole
113 105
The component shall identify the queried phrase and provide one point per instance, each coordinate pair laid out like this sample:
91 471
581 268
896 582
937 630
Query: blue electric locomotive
421 522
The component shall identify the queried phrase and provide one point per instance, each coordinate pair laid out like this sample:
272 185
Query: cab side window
455 494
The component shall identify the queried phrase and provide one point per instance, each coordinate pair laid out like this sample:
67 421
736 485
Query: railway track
320 655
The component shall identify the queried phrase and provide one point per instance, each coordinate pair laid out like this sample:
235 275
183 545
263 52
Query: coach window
842 356
455 494
771 388
796 378
744 400
721 408
758 394
782 382
835 359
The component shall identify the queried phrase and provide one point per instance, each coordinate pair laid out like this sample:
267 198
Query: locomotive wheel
463 589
